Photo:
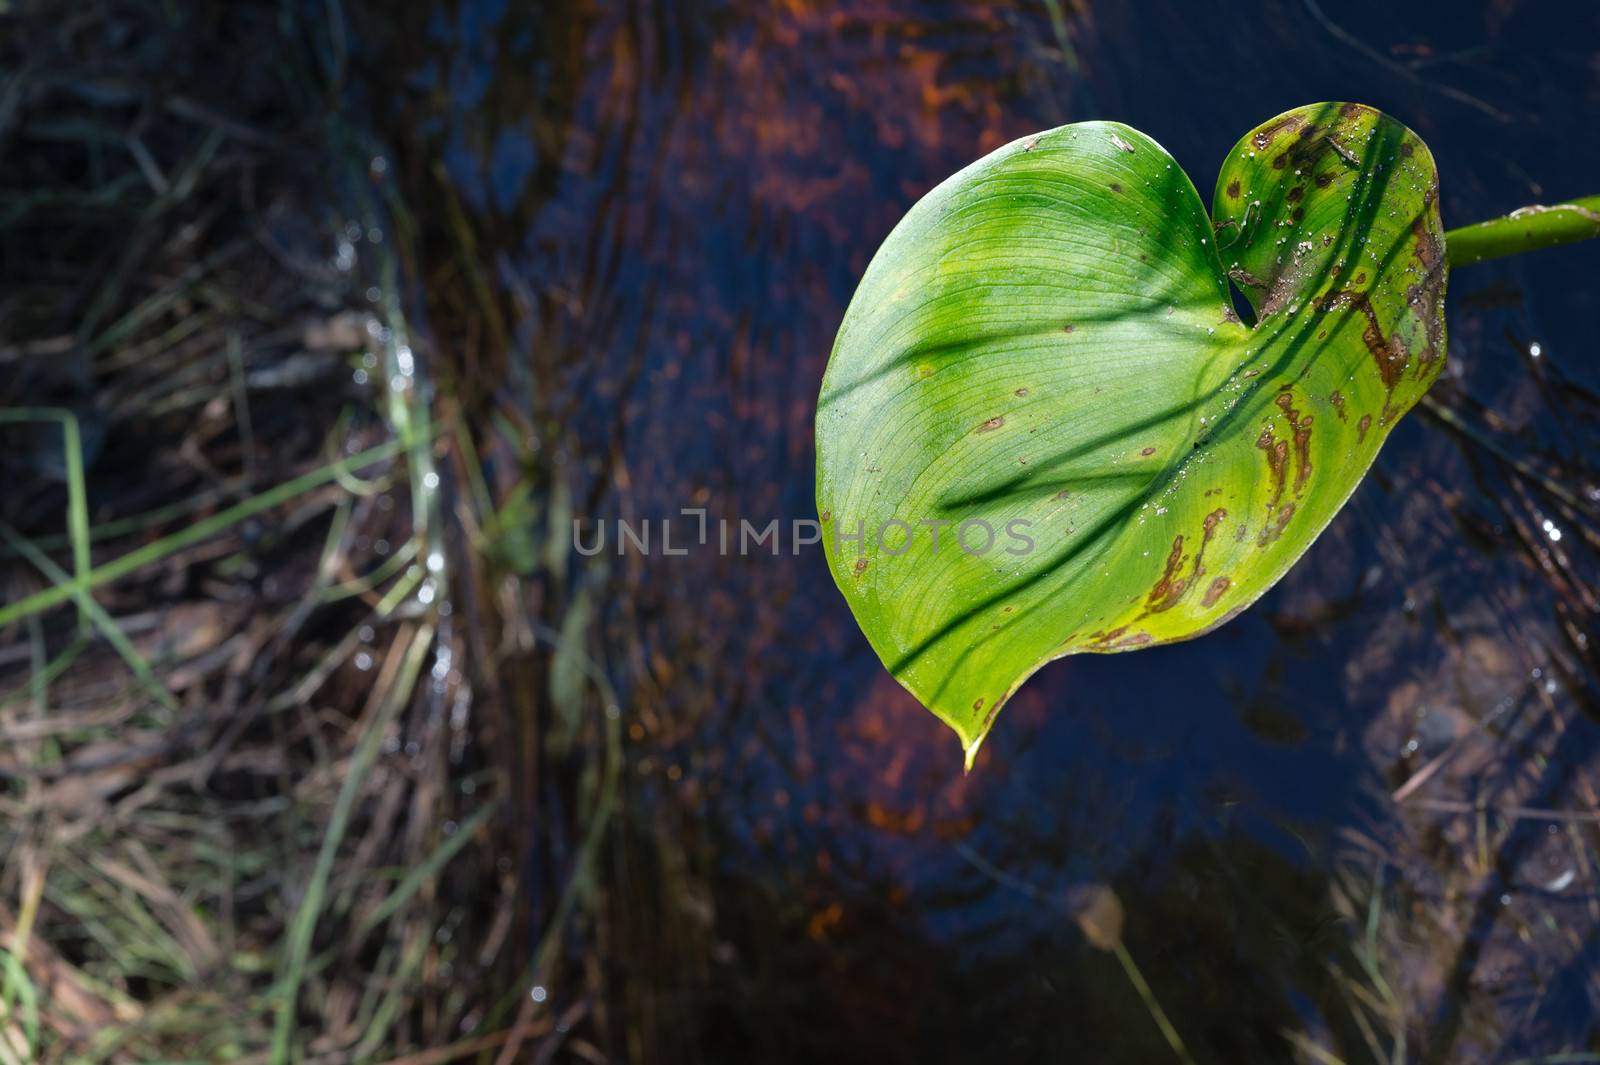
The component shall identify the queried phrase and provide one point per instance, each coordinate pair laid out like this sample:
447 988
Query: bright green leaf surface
1045 347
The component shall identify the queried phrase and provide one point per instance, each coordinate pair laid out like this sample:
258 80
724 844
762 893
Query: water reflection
642 222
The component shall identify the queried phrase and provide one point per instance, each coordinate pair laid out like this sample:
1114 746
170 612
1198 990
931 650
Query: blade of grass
241 405
304 925
401 591
367 582
96 613
429 868
1312 1050
77 489
18 990
47 674
468 1047
110 292
393 1001
200 530
413 881
356 486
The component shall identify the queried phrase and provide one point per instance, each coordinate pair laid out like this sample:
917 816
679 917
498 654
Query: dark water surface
668 206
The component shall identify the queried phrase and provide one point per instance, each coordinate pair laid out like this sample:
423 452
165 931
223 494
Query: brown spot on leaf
1362 426
1022 392
1426 301
861 567
1271 531
1387 354
1280 161
1288 123
1407 148
1277 452
1323 180
1217 589
1336 397
1209 529
1430 248
991 425
1296 193
1116 187
1426 297
1233 189
1170 588
826 515
1069 328
1300 427
1115 640
1148 451
1284 287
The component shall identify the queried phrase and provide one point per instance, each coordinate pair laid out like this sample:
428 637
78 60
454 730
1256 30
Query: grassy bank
246 813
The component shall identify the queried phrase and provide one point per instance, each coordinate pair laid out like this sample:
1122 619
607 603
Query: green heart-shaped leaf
1045 349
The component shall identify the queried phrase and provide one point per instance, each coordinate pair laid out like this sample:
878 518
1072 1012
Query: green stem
1525 229
1156 1012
